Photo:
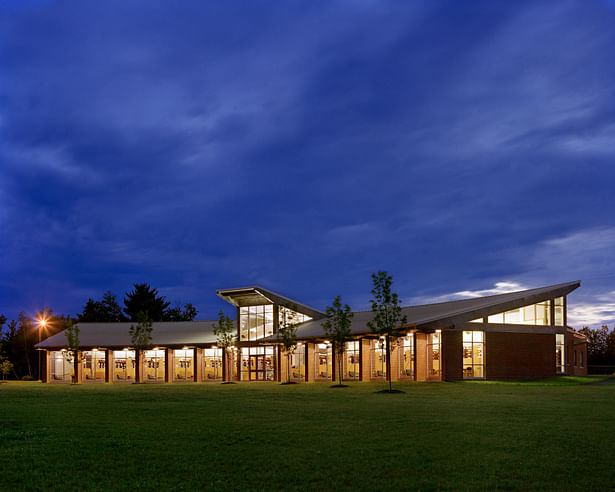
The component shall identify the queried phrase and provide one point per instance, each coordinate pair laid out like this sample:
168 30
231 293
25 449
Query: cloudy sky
463 147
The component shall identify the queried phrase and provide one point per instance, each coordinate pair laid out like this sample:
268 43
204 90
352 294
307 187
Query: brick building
507 336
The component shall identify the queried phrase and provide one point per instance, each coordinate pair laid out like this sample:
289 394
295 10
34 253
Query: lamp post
42 323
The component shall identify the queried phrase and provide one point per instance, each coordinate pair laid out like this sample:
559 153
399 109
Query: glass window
289 317
560 366
93 365
212 364
184 365
154 365
473 359
477 320
433 355
406 356
378 358
297 363
62 367
323 361
124 365
559 311
255 322
581 359
351 361
534 314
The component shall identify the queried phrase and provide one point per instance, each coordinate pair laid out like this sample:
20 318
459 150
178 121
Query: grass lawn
550 434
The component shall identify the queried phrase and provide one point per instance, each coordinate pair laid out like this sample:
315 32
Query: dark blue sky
462 146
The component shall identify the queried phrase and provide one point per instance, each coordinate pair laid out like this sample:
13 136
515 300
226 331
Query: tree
106 310
144 299
6 367
72 348
337 327
388 315
287 336
176 313
225 335
141 336
596 344
25 325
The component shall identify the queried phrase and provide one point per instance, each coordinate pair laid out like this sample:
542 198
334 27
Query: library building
517 335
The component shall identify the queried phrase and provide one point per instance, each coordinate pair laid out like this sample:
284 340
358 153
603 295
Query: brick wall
452 355
519 355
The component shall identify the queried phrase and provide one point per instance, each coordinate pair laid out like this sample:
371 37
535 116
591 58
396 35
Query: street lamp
42 323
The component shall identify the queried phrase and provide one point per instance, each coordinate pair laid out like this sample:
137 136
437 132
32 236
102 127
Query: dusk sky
464 147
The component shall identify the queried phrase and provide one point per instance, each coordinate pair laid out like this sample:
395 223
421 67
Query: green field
555 434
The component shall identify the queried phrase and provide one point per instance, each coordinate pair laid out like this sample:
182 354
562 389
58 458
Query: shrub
27 378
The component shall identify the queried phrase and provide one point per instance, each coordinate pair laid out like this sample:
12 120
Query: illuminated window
289 317
154 365
212 364
534 314
184 365
93 365
255 322
559 311
433 355
351 360
297 363
473 359
258 363
560 367
477 320
406 357
378 356
124 365
323 362
61 365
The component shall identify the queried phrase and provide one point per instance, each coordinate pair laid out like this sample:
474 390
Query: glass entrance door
257 368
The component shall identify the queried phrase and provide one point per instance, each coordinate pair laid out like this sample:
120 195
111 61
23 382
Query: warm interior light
438 331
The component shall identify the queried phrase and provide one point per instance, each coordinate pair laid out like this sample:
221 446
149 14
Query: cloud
498 288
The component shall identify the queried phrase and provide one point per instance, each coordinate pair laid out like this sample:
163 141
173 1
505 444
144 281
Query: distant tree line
18 356
600 346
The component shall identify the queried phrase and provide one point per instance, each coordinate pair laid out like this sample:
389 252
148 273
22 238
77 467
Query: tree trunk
339 366
288 367
388 356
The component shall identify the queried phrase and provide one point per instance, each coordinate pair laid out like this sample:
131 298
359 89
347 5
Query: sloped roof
426 317
111 335
255 295
444 314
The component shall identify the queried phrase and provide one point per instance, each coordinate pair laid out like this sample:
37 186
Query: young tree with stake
141 336
388 315
225 333
337 327
72 348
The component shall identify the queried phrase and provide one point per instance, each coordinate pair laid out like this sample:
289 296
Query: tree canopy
144 298
106 310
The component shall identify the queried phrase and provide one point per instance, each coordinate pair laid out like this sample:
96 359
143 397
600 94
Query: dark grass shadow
339 386
289 382
228 382
389 391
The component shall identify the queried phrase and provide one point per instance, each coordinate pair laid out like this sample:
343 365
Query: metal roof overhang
256 296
